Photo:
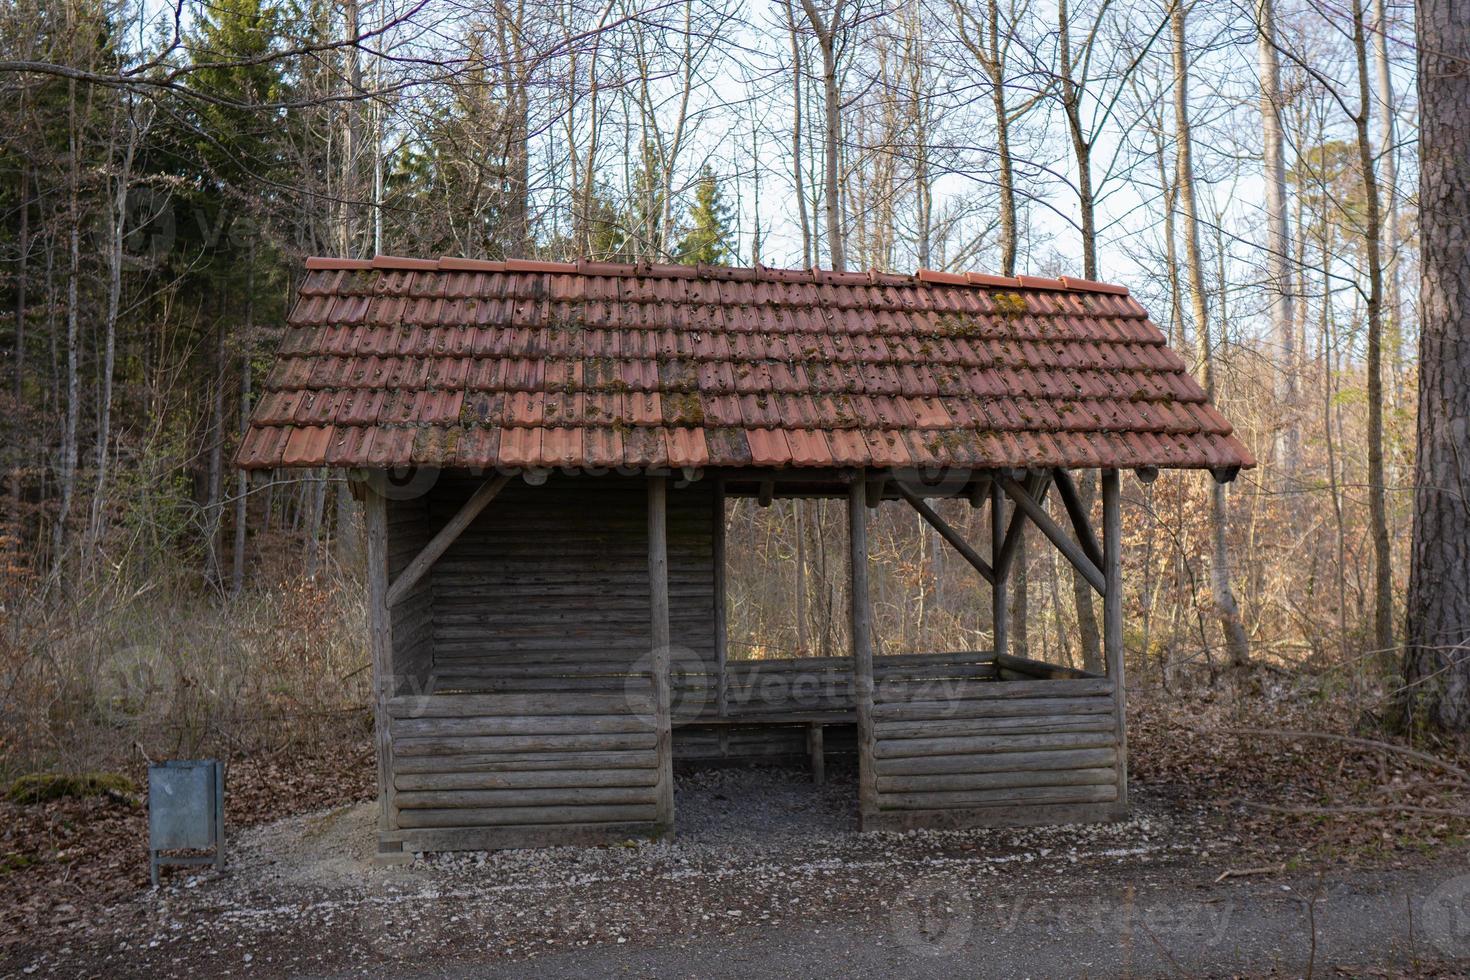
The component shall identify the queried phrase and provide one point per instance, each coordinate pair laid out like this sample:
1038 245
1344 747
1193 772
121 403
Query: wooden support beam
447 535
722 680
817 752
1081 523
1036 486
948 533
1055 534
979 490
658 590
874 487
1113 619
1059 538
380 641
999 610
862 653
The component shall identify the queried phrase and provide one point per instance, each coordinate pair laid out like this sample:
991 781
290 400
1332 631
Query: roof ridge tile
1093 286
537 265
449 263
403 262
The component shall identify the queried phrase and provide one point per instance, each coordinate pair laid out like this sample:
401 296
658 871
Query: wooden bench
814 723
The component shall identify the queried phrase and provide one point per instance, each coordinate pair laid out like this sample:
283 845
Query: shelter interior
548 646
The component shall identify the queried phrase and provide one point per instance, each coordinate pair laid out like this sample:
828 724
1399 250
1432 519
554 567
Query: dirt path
1360 924
767 876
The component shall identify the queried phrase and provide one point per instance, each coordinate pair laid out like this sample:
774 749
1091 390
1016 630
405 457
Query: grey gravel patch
736 805
755 848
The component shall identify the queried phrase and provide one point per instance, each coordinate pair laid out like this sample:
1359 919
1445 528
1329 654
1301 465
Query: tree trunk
214 509
1437 646
1089 637
116 231
1225 604
242 477
1278 243
826 32
1377 490
1388 161
1081 146
22 279
73 373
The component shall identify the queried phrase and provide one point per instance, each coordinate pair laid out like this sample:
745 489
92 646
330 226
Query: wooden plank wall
409 529
541 728
801 688
533 633
548 589
996 753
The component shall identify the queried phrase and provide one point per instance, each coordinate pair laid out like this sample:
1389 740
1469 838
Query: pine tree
708 237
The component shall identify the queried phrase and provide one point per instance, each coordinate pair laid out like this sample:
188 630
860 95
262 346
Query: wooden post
817 751
1113 619
380 640
862 651
658 589
1001 573
722 654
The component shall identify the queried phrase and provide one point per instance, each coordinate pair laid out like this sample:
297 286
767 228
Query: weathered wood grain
862 645
499 816
892 773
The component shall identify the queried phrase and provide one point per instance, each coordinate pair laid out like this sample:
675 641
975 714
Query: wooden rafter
447 535
1069 548
1036 487
1081 524
947 532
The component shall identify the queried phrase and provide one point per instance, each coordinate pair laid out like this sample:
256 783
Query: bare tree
1225 605
1278 239
831 30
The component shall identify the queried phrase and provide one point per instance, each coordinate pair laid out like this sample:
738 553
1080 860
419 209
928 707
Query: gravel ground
759 852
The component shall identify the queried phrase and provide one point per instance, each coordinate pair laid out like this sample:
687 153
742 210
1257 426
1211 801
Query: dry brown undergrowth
275 682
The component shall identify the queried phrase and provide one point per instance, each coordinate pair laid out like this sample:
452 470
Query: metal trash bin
186 811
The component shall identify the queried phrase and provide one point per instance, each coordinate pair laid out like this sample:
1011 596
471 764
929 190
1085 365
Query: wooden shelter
545 452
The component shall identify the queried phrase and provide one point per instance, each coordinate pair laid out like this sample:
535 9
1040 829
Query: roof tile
470 363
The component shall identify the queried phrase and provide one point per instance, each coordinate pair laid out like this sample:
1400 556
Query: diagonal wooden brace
1036 486
447 535
1081 525
1055 534
947 532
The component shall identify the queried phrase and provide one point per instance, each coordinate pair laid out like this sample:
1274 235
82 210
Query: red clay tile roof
461 363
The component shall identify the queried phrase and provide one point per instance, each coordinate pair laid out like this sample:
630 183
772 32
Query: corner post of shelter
862 650
1001 567
1113 620
380 638
658 585
717 558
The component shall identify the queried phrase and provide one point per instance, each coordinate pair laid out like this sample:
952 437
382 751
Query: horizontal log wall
409 529
548 589
496 770
540 729
813 685
780 697
1014 752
